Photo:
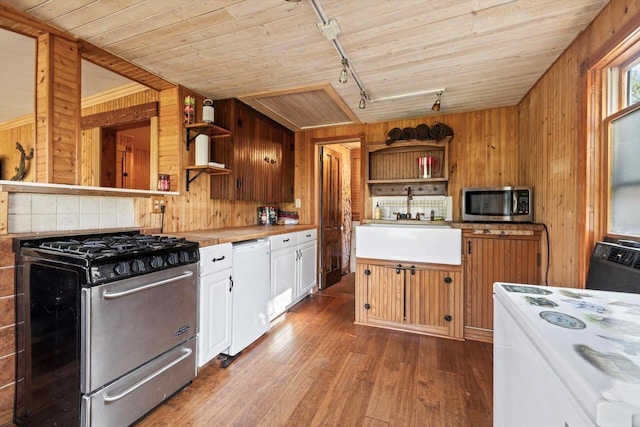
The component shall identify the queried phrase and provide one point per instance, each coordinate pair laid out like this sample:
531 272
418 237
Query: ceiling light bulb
436 105
343 76
343 73
362 104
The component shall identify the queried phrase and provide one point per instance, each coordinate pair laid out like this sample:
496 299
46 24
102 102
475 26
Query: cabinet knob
448 318
367 272
448 280
367 306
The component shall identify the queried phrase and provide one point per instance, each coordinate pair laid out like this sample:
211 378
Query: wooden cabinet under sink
412 297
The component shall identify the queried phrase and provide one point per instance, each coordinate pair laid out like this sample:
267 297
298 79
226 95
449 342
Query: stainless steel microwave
497 204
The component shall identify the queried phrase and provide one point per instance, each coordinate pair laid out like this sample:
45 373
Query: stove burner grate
113 245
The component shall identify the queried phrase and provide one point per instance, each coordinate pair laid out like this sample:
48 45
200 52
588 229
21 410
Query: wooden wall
23 131
483 152
553 142
57 110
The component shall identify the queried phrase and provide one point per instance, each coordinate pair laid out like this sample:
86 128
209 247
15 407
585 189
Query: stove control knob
137 265
121 268
184 257
156 262
173 259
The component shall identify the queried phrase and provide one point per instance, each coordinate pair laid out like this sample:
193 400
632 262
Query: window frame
604 82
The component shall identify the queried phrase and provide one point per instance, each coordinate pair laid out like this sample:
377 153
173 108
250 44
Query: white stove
566 357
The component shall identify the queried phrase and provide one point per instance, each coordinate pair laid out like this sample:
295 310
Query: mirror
17 105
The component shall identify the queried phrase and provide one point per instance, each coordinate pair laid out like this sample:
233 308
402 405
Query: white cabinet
293 269
215 298
307 262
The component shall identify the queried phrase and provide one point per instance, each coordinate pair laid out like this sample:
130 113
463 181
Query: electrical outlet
298 203
157 202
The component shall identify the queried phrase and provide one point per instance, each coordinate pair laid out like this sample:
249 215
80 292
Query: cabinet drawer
307 235
215 258
283 241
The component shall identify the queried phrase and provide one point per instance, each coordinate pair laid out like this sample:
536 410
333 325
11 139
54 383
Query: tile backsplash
47 212
390 205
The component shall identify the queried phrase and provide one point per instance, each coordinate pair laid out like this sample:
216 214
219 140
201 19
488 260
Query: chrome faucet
409 199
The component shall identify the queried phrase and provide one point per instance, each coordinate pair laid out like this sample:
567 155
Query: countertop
238 234
461 225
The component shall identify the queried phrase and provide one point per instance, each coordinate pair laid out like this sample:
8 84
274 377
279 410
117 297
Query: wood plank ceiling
485 53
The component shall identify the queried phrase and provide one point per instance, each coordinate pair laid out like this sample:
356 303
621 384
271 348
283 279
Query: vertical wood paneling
553 148
22 131
495 259
385 294
57 110
483 152
356 203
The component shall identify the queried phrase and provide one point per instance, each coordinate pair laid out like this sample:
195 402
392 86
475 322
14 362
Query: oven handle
111 295
186 353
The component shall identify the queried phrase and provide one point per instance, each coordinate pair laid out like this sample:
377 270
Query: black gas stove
113 256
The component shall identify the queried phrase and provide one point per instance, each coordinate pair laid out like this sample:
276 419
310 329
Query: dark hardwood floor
316 368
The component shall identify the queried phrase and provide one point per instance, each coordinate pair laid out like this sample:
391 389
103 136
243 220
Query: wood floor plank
316 368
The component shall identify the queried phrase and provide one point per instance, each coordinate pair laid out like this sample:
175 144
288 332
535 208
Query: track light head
436 105
343 73
363 104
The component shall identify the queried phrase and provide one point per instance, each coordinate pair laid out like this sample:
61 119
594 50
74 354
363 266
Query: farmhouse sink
437 244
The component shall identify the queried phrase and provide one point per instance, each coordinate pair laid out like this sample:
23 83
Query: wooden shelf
209 129
210 170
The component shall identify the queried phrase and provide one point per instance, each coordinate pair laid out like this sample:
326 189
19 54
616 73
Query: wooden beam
120 117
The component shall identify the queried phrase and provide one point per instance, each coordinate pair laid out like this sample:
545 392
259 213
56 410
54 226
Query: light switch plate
298 203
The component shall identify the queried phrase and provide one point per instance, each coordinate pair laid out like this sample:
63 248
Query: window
625 173
617 171
633 84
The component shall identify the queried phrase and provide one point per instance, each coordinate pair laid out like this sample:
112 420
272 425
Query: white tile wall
441 205
47 212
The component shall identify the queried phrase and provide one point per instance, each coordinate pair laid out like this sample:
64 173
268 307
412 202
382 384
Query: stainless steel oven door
132 396
127 323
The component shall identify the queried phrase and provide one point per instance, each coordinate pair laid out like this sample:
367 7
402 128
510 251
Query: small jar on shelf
164 182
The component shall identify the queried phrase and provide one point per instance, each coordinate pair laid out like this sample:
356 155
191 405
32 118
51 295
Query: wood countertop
498 226
238 234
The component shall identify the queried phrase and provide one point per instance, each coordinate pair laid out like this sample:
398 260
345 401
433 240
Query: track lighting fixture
436 105
362 104
343 73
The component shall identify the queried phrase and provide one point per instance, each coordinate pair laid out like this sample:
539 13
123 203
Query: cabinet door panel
427 298
215 315
283 276
495 260
307 267
386 294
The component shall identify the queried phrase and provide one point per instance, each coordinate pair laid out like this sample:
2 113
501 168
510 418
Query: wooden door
331 222
489 260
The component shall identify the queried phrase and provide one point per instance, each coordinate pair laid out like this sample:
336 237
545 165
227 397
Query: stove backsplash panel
30 213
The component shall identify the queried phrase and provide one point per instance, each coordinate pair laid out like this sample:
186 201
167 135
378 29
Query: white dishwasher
251 294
